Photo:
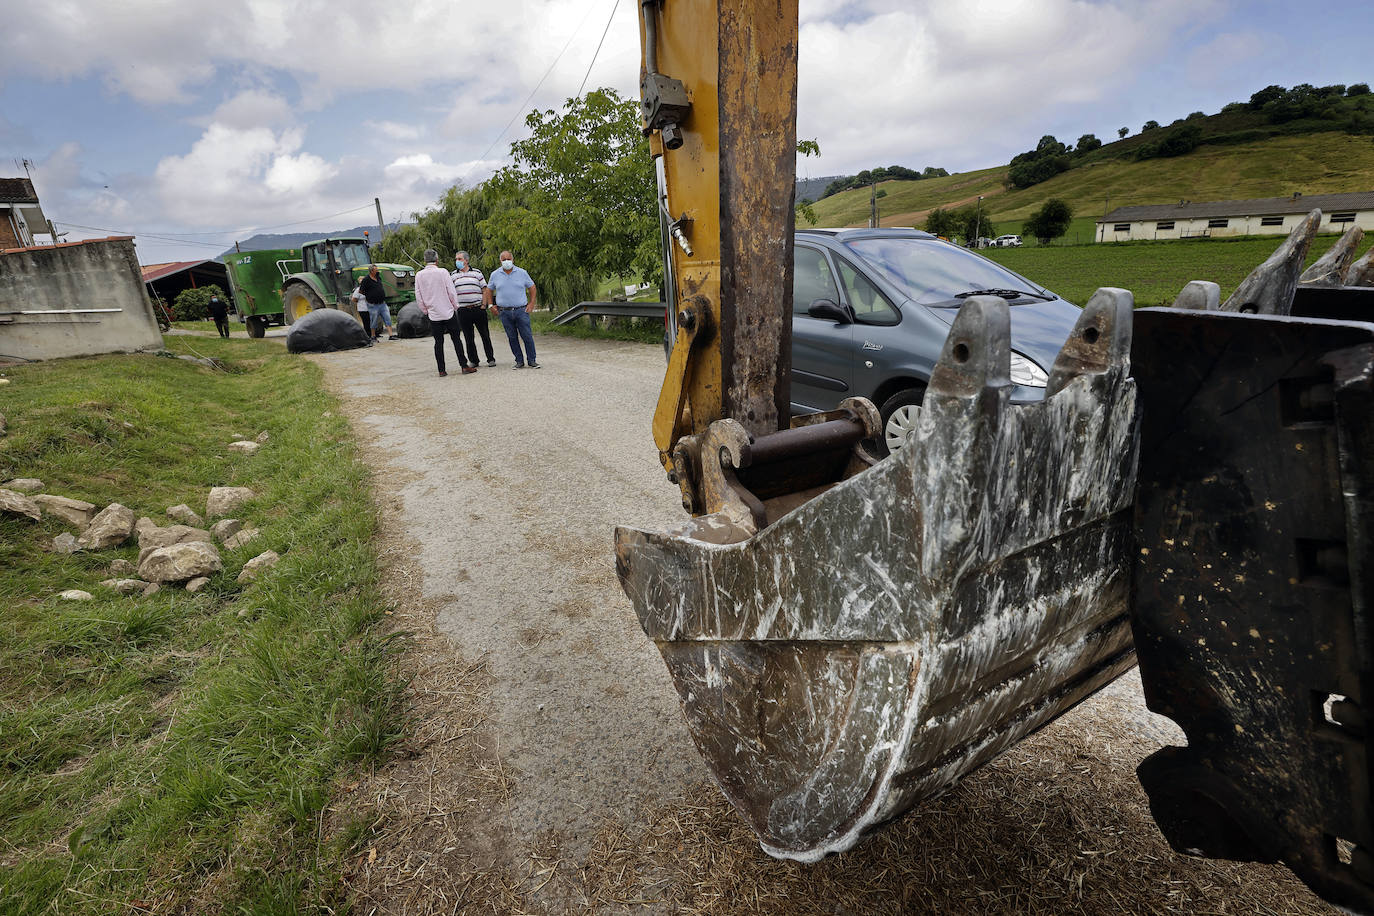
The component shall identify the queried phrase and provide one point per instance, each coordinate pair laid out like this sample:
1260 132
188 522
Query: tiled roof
1262 206
17 191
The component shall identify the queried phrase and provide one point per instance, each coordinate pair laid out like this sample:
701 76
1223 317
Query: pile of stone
185 553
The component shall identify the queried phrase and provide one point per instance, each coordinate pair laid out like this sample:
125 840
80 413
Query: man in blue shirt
510 293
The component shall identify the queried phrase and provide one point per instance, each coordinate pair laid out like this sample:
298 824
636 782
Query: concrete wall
1148 230
83 276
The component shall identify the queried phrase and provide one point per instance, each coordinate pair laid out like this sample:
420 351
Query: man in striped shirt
468 283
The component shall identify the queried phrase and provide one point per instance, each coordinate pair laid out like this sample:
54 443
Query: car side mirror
828 310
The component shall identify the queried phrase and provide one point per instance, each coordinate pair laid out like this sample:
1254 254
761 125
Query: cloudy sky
191 123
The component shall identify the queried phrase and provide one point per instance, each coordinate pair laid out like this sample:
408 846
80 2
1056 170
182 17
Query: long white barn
1221 218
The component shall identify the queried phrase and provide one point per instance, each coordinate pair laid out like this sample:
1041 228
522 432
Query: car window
811 279
870 306
932 271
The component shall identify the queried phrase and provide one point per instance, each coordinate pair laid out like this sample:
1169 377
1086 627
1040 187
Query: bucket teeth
1199 296
977 352
1269 289
1101 339
1330 269
1361 273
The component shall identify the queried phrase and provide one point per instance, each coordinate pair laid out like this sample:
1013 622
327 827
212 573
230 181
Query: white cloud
393 130
253 108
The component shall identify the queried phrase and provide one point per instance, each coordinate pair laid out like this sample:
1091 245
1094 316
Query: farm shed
165 281
1223 218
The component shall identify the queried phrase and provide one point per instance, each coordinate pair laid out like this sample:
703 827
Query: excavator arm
849 639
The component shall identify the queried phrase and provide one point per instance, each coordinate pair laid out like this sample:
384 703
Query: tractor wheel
297 300
257 327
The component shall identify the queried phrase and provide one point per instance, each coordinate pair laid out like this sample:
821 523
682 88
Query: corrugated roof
17 191
153 272
1261 206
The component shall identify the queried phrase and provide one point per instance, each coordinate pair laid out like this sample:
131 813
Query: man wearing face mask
469 284
511 294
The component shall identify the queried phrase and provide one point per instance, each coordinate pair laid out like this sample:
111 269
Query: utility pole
873 205
978 223
381 225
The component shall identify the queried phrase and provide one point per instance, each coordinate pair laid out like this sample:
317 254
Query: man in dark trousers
220 312
436 298
469 283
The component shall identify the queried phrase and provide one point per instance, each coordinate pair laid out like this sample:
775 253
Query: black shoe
443 374
534 365
518 366
394 337
491 362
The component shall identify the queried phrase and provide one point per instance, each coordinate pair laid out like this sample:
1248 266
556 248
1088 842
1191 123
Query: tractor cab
327 271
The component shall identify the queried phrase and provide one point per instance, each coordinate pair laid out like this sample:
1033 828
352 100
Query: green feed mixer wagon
277 286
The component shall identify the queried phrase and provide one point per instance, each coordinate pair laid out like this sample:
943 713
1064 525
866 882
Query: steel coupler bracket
1251 587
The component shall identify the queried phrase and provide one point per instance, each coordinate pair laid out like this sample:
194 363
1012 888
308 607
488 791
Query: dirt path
550 770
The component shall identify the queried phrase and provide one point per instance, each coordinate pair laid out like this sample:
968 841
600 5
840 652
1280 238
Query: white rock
241 538
74 512
65 543
180 562
327 413
224 500
184 513
122 568
197 584
254 567
23 484
125 586
225 528
262 437
144 524
112 526
172 534
152 589
12 503
76 594
247 446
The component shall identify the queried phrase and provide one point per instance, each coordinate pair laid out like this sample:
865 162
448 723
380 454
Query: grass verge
177 752
1154 271
639 330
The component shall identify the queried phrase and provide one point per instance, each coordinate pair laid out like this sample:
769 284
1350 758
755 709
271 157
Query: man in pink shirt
436 298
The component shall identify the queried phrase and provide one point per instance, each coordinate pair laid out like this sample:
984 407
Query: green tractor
280 285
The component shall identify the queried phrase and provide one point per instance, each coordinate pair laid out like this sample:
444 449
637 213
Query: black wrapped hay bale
324 331
411 322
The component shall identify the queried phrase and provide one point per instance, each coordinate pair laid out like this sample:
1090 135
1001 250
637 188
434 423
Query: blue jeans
381 316
516 321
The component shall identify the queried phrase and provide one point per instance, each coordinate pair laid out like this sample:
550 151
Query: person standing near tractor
469 283
511 294
360 306
376 303
436 298
220 312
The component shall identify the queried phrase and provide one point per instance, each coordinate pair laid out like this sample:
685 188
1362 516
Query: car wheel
899 418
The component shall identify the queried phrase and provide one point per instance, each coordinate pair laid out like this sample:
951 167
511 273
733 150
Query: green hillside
1312 163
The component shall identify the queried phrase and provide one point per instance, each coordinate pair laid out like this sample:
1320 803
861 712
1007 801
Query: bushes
1050 221
194 304
1180 140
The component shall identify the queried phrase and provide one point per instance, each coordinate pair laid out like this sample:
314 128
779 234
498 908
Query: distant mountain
811 188
269 240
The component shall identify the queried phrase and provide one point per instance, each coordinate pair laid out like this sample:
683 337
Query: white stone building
1224 218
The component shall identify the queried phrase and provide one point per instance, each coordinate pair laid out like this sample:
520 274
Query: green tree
1150 125
194 304
577 205
1087 143
1121 132
1049 222
942 222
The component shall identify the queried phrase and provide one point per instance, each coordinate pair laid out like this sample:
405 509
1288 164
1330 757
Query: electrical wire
521 110
189 236
604 32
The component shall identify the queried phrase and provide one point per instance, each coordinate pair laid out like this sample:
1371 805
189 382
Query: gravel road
514 482
505 487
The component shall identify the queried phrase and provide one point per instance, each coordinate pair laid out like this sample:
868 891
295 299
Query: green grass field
1317 163
176 753
1154 271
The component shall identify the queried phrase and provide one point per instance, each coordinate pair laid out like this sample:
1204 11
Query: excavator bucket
869 648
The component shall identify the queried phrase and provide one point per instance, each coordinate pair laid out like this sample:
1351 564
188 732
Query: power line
521 110
145 235
614 5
